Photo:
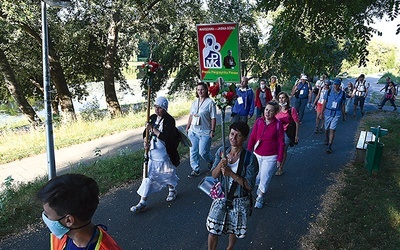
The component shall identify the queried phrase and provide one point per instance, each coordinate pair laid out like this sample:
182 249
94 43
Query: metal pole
51 164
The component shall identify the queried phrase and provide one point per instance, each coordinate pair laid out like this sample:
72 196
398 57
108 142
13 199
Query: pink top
271 138
284 117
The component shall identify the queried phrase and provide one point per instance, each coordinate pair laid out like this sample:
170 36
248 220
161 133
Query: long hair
287 97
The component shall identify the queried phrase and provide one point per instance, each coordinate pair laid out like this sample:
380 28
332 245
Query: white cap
162 102
303 77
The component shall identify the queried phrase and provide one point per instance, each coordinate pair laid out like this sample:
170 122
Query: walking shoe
193 174
259 202
316 130
329 150
140 206
171 195
394 109
279 172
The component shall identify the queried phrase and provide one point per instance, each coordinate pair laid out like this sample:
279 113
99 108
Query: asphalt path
292 202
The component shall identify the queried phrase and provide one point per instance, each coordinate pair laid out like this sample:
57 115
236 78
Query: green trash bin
374 155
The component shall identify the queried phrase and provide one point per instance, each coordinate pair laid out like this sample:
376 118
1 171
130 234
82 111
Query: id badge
334 105
196 120
240 100
302 92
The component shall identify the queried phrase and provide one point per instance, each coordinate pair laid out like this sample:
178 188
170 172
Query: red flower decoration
214 90
151 68
224 96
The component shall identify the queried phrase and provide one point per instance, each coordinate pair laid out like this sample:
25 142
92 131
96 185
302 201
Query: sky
389 31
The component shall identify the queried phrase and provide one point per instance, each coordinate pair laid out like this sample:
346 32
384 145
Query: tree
304 27
15 91
19 18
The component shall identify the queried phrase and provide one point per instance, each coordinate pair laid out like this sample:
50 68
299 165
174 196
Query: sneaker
316 130
140 206
259 202
171 195
193 174
329 150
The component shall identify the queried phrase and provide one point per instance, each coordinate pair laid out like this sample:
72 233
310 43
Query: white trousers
267 165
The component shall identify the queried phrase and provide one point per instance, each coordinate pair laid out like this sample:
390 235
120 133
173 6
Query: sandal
140 206
279 172
171 195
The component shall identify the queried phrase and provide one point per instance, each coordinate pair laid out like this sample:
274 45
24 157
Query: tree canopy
92 41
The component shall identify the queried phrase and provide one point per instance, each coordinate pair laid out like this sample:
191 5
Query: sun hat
162 102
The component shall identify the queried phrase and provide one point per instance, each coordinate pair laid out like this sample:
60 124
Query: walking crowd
239 170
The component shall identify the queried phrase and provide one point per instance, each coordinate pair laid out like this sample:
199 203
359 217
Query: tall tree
15 90
21 16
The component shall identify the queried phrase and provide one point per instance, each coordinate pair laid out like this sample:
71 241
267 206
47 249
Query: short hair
205 87
287 97
73 194
275 105
240 126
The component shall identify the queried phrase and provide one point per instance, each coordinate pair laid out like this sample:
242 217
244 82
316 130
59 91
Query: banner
219 52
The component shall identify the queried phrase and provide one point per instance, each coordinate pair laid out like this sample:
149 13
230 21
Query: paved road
293 201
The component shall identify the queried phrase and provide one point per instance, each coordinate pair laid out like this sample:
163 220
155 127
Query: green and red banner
219 52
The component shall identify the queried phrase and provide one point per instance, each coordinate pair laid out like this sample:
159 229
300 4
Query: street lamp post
51 163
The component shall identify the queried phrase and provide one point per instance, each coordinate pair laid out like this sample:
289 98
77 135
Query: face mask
55 226
283 104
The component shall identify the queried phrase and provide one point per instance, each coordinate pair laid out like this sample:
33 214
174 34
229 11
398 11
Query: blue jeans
300 104
201 145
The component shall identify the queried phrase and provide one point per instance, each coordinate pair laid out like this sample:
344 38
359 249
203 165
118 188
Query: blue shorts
331 122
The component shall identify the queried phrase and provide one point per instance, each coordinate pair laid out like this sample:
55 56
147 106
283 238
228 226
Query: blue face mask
55 226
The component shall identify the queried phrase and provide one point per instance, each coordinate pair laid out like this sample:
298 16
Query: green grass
363 210
15 145
18 208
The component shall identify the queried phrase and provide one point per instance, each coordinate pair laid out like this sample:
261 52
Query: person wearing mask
243 108
163 155
263 96
288 116
69 203
268 143
201 129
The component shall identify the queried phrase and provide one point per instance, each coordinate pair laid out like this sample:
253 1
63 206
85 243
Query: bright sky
389 31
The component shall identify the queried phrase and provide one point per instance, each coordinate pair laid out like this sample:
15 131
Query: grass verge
362 211
18 207
16 145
